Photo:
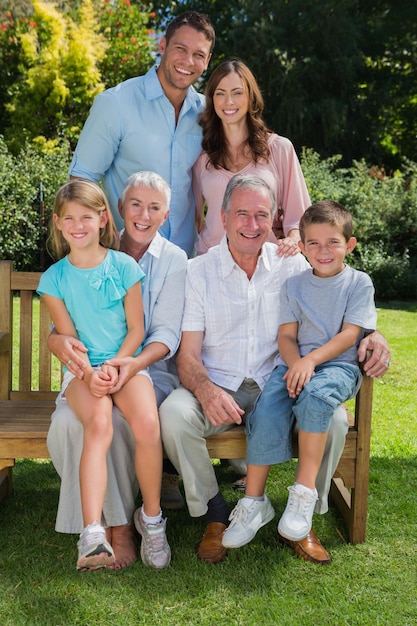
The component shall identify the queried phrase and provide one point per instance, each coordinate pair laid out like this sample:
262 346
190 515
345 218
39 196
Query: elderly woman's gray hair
151 180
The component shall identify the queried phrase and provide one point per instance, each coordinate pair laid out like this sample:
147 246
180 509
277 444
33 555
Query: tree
389 86
130 40
58 73
339 77
53 64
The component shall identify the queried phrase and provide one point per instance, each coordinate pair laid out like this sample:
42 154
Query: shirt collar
153 90
228 263
154 248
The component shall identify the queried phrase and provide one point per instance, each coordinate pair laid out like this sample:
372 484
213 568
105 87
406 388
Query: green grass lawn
261 584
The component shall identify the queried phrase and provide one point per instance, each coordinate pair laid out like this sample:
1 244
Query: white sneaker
295 523
246 519
94 551
154 549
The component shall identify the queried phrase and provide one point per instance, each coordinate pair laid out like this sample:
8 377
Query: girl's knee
146 430
99 426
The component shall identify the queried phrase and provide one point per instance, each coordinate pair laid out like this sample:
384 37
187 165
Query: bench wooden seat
25 411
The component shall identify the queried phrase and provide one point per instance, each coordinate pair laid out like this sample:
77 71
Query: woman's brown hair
214 140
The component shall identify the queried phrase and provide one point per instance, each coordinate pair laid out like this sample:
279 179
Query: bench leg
6 487
353 505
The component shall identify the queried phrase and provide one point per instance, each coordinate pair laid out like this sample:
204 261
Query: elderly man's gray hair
247 181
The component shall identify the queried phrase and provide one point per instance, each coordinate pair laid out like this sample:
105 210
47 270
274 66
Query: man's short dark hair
199 21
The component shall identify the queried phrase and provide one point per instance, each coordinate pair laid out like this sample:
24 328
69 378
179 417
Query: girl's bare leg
136 400
95 414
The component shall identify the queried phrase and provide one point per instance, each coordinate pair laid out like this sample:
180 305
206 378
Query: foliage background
339 79
337 76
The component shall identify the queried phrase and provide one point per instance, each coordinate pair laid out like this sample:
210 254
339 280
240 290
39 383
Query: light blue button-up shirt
131 127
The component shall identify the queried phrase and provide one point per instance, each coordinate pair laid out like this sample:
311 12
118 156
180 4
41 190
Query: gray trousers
184 428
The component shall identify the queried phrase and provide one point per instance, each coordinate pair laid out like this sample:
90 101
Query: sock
218 510
93 527
168 468
157 519
248 500
302 488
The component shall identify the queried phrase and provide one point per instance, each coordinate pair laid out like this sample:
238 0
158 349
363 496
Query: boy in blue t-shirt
325 312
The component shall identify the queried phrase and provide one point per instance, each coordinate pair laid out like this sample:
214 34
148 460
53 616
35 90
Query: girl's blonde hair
92 197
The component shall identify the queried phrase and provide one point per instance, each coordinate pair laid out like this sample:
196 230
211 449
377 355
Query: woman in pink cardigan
236 140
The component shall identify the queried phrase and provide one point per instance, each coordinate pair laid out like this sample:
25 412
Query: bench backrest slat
35 364
25 343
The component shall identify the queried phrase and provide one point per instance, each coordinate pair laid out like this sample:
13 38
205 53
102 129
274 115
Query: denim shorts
269 425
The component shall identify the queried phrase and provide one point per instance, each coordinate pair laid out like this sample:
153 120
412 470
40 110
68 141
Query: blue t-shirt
94 299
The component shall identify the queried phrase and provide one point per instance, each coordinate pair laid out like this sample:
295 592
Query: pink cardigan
282 172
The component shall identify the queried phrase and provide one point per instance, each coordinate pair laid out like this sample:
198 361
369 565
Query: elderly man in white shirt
227 352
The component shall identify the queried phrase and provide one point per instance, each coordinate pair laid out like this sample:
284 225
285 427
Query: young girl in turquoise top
93 293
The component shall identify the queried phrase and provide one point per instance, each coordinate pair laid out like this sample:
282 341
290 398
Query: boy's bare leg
311 449
256 478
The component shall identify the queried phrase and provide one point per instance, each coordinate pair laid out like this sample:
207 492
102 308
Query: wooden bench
26 407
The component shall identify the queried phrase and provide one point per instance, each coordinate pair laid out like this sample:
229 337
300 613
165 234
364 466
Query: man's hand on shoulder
378 363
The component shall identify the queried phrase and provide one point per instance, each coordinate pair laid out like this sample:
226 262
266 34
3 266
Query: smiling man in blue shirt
151 123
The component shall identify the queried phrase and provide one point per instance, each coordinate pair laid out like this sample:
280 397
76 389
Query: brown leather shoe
211 548
309 549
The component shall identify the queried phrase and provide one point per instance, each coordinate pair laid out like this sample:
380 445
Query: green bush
393 276
28 184
53 64
130 43
384 210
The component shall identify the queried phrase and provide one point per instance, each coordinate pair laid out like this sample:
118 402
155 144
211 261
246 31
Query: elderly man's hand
378 363
219 406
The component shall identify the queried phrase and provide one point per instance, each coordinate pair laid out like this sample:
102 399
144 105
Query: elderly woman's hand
67 349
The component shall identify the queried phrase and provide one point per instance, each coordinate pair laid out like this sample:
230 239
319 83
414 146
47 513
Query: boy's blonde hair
327 212
92 197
